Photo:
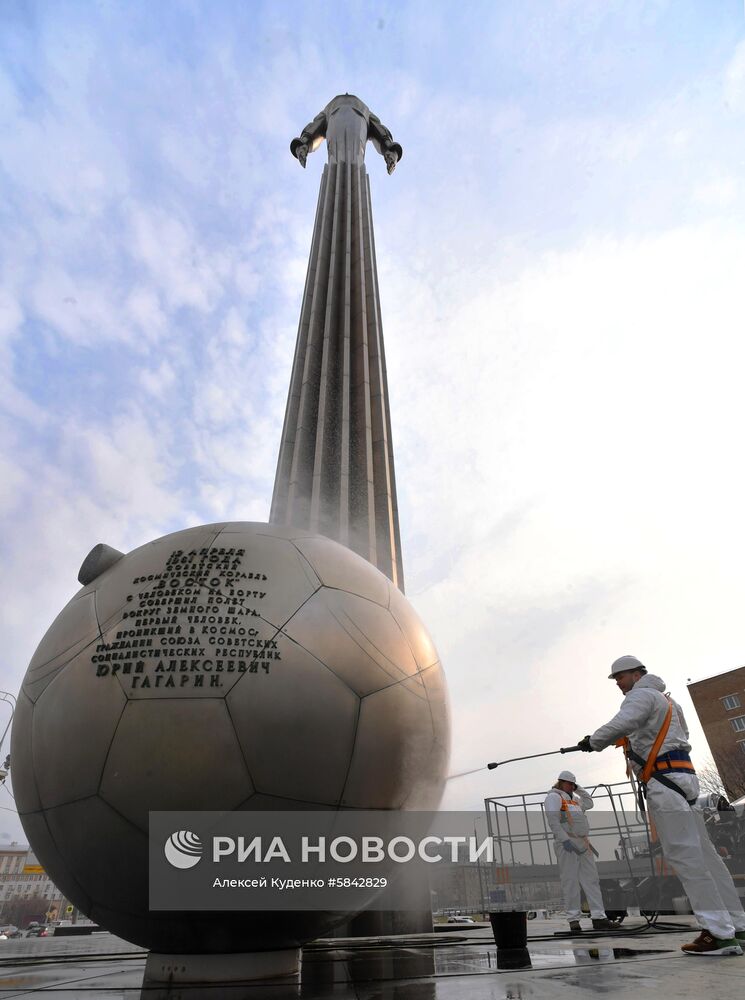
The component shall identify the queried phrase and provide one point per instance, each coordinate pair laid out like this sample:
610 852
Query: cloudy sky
561 256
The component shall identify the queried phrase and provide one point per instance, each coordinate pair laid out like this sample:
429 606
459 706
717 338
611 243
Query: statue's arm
305 142
382 139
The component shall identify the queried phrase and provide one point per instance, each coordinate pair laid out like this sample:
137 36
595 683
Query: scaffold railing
524 847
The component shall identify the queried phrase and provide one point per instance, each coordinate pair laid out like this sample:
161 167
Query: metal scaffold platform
632 870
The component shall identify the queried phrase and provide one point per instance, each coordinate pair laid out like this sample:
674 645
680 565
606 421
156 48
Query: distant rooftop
712 677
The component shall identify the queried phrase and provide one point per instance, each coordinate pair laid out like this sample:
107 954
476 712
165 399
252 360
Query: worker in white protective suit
657 749
565 807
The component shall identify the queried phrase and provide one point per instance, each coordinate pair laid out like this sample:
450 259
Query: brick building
720 704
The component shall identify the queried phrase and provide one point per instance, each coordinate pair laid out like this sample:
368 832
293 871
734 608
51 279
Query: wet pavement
459 965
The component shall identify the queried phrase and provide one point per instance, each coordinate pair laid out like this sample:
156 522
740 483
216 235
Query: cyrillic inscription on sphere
190 622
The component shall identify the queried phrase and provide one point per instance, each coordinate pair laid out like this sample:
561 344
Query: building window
730 701
741 745
738 723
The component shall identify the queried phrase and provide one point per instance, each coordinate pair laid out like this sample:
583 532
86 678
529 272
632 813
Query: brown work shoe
707 944
575 927
602 924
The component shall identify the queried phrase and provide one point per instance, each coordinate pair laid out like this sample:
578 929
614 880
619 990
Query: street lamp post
6 696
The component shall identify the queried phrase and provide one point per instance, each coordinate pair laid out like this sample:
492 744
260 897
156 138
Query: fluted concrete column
335 473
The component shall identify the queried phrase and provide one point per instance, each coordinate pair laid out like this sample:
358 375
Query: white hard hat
567 776
625 663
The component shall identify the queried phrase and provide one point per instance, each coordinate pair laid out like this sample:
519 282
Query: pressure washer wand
512 760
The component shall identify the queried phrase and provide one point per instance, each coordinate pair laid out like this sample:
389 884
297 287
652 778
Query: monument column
335 473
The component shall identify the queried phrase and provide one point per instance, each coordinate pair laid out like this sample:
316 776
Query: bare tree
709 778
725 777
731 764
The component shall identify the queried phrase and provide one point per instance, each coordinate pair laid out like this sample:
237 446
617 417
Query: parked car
458 919
36 932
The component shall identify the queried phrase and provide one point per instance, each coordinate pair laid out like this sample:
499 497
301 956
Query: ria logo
183 849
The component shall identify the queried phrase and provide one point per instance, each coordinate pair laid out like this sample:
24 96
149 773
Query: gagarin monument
240 665
335 472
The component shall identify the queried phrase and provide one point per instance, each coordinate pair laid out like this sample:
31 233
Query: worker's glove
570 848
584 744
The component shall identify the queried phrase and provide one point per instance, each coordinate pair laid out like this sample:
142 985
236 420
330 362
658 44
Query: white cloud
734 80
78 308
184 273
718 192
144 307
158 380
11 314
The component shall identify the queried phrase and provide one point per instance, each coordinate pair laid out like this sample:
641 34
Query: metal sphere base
215 970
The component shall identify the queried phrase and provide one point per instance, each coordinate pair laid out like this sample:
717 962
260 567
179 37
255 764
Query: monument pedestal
216 970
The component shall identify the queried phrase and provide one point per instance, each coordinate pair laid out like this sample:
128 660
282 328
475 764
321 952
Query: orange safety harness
566 809
653 765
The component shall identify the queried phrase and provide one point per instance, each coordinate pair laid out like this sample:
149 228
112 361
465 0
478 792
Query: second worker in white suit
565 807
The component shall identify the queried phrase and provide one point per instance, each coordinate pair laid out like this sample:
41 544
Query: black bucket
510 929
